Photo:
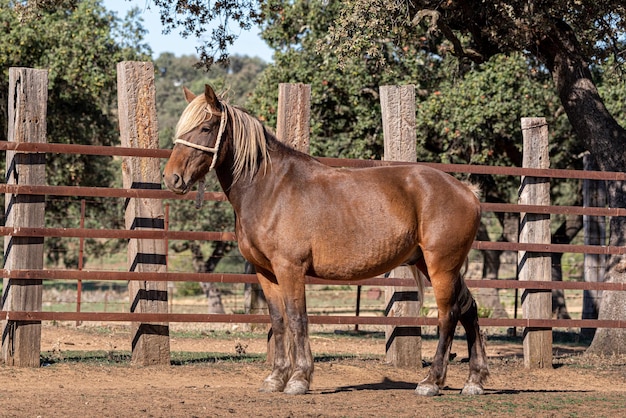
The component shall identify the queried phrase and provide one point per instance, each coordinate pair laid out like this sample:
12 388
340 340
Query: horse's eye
205 130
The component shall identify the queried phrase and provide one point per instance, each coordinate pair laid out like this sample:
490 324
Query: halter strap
212 150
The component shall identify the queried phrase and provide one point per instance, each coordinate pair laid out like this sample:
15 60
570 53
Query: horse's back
427 192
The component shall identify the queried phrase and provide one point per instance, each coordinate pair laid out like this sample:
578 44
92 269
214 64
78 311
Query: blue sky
249 43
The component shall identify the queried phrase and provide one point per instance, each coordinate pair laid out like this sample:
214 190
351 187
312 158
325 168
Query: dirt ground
351 380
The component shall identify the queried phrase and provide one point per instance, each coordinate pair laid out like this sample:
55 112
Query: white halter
213 150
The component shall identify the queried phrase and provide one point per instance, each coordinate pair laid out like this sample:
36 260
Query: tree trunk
594 194
214 298
606 140
254 300
563 235
490 297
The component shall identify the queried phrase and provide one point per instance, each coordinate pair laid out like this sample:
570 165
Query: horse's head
197 145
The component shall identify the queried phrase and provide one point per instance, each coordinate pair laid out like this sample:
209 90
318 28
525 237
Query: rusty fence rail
47 274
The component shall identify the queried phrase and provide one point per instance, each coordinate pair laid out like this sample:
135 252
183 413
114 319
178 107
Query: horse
296 217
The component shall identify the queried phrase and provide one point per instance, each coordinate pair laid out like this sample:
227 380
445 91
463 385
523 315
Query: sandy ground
351 380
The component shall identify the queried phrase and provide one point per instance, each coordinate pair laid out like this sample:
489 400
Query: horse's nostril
175 180
172 181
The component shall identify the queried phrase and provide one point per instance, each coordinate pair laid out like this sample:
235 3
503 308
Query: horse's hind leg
444 284
475 346
454 303
281 369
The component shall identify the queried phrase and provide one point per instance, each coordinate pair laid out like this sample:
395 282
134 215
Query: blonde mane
249 145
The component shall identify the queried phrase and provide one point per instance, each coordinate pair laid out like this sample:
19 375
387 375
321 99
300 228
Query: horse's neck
247 190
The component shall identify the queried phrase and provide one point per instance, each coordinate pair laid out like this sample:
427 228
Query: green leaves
345 114
476 120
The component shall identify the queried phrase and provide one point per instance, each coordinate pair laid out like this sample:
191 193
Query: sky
249 42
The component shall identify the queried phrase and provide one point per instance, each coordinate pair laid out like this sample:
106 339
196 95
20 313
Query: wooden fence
24 231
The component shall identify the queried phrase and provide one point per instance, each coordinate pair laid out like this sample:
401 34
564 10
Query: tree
562 36
345 108
77 43
475 120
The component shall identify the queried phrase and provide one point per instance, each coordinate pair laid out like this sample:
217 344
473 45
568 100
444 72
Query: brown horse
298 217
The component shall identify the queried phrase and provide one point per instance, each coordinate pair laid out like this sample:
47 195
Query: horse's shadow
522 391
388 384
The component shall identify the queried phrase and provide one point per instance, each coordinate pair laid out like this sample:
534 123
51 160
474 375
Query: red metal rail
242 278
336 162
97 275
313 319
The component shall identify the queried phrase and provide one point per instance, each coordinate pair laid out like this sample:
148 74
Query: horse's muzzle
175 183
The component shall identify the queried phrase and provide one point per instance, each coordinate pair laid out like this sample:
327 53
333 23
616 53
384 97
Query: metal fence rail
106 192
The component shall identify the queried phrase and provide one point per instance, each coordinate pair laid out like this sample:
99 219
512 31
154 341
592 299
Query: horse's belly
348 271
360 259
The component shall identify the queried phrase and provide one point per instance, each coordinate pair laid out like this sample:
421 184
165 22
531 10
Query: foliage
367 41
345 109
466 114
569 38
77 43
482 28
612 87
476 120
194 17
188 289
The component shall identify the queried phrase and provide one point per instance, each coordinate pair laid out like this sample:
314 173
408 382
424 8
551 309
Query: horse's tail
474 188
465 269
419 278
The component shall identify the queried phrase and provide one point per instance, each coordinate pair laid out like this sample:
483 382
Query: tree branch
438 25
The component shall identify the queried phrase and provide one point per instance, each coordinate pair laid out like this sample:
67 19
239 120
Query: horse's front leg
291 280
281 368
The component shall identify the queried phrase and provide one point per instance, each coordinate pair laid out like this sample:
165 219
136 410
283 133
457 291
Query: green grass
121 357
177 358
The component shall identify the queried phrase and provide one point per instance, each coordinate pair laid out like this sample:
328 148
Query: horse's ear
211 97
189 96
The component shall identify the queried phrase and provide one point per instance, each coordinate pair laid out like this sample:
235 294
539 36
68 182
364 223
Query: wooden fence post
138 129
294 115
28 96
403 343
535 228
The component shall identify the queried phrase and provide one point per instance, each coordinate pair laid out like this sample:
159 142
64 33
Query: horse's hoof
427 389
472 389
296 387
271 385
